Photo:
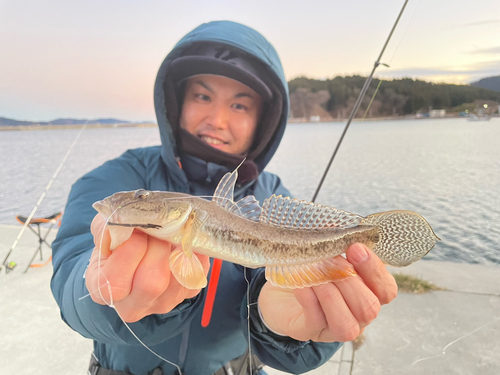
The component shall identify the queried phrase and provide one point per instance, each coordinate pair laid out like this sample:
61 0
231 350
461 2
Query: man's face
222 112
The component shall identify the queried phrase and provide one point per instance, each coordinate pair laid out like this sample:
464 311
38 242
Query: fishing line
28 220
358 102
371 101
250 364
404 33
111 304
206 316
390 60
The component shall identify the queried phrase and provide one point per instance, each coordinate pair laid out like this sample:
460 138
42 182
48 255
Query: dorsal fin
224 193
292 213
247 207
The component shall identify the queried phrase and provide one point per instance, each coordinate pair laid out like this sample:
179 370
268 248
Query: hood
236 36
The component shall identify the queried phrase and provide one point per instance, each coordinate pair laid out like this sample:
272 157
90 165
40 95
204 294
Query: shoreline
74 126
290 121
388 118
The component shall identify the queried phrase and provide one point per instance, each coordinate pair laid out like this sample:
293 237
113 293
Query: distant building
485 107
314 118
436 113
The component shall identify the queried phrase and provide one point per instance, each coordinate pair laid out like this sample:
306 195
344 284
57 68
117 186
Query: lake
446 169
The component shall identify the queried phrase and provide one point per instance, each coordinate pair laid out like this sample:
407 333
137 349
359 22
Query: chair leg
40 241
46 235
39 250
33 258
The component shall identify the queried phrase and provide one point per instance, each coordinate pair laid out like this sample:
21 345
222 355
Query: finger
362 302
281 312
150 280
313 321
122 264
343 325
373 272
95 280
167 292
175 293
171 297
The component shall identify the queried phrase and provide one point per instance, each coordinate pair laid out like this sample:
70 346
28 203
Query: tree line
394 97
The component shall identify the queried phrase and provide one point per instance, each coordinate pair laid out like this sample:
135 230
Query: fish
296 241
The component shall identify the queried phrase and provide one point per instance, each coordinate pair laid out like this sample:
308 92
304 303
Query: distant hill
61 121
490 83
395 97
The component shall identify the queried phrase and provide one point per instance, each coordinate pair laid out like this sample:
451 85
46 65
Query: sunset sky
99 58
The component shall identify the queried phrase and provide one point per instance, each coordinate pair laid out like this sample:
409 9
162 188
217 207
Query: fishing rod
358 102
28 220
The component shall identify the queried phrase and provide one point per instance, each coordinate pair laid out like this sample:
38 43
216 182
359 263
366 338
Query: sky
99 58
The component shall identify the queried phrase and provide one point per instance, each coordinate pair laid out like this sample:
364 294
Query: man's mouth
211 141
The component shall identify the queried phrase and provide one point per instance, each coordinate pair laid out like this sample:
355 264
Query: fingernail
358 253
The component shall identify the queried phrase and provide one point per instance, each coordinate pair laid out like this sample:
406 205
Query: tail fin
405 237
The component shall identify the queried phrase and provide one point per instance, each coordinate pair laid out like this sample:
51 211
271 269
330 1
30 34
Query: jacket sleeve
282 353
71 253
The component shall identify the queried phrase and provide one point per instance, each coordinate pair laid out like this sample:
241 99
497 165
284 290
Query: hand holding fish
129 269
336 311
296 241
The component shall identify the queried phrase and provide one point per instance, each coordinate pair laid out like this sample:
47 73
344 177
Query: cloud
466 74
486 51
477 23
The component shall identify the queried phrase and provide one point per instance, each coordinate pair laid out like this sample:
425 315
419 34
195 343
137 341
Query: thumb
373 272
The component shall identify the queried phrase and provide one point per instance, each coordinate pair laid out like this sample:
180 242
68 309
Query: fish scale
297 241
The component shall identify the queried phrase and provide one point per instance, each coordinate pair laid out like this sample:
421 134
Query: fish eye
141 194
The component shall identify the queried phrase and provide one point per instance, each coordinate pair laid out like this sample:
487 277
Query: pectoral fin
310 274
188 270
184 264
190 229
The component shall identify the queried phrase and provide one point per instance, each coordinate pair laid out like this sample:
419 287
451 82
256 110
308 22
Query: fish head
143 208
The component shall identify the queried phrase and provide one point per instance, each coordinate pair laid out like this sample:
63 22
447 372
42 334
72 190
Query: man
220 96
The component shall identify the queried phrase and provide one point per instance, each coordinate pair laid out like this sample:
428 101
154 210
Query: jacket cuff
195 303
258 329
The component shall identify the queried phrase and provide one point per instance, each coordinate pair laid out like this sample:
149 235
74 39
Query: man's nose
218 117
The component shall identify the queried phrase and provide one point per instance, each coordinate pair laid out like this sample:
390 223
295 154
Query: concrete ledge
473 278
455 331
444 332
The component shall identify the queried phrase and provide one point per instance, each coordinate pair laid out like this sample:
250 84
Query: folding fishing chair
52 220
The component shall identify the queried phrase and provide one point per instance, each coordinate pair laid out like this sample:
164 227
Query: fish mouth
143 226
102 208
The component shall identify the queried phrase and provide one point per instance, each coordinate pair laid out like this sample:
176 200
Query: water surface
447 170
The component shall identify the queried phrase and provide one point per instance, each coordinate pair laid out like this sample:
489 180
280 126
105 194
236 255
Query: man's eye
203 97
239 106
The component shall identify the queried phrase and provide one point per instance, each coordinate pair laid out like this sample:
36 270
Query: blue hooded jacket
177 335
